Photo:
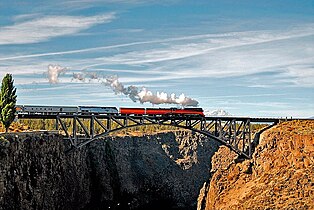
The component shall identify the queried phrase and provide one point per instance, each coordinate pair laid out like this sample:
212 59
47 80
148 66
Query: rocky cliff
163 171
279 176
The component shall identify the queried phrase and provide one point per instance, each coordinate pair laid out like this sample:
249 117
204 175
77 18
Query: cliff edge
163 171
279 176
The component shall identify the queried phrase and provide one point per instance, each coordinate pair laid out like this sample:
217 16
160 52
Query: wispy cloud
300 75
92 3
73 51
295 113
204 44
183 47
205 55
124 45
46 27
244 65
242 96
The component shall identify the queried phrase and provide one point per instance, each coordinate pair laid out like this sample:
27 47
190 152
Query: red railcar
158 111
132 111
189 111
162 111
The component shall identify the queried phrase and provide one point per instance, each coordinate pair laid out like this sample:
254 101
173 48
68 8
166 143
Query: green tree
7 101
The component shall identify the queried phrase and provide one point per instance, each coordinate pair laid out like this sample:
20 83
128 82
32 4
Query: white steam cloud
84 76
136 94
143 95
54 71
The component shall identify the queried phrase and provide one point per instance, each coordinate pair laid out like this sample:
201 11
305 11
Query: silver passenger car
66 110
37 109
97 110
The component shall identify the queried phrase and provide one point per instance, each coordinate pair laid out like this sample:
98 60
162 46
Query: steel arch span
227 132
234 132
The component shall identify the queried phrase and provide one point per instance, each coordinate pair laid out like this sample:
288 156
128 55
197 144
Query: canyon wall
161 171
164 170
279 176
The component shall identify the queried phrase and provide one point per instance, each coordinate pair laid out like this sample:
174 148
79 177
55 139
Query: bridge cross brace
232 132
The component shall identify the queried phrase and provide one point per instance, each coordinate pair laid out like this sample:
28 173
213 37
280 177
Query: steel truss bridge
234 132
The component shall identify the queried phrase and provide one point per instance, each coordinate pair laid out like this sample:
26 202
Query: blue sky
250 58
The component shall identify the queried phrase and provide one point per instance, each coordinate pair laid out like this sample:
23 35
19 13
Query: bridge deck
118 116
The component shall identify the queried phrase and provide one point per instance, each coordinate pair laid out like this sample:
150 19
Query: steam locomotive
162 111
95 110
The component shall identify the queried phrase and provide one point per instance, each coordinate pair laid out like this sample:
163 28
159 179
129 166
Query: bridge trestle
234 132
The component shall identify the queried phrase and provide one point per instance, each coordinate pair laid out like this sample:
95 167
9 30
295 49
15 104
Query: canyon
168 170
165 170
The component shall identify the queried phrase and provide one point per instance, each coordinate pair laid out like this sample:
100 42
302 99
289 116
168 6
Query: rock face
279 176
36 174
164 170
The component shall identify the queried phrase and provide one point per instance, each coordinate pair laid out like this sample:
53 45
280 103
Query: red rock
282 172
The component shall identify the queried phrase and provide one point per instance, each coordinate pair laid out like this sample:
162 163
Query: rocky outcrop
162 170
35 173
279 176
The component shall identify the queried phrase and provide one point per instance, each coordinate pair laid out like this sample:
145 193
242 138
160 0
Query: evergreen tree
7 101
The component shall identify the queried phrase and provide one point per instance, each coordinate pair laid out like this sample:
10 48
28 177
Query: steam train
95 110
162 111
70 110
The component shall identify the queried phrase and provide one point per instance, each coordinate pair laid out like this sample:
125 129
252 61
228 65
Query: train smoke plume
143 95
82 76
54 71
163 98
135 93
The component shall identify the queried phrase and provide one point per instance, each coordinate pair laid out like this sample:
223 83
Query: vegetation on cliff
279 176
7 101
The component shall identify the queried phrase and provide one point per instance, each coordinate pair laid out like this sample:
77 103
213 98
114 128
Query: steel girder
235 133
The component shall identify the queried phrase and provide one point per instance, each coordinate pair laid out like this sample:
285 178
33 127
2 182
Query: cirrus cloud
47 27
